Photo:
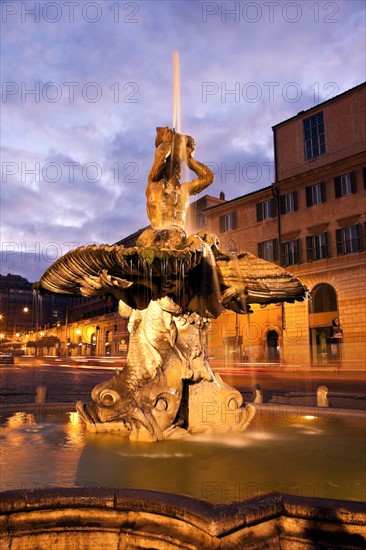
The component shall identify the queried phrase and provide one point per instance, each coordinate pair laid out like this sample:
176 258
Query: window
290 252
268 250
314 136
348 239
266 209
345 185
228 222
324 298
315 194
317 247
200 220
288 203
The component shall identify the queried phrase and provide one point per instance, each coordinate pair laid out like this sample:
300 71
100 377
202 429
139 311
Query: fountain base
86 518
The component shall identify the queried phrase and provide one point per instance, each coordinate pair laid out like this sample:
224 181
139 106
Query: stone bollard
41 394
257 394
322 396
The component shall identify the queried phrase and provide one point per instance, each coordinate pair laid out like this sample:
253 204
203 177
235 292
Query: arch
273 345
323 298
323 310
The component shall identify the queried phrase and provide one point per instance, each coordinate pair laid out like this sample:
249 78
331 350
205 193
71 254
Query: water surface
287 452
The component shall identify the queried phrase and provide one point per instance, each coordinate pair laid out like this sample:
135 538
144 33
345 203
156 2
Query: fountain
169 286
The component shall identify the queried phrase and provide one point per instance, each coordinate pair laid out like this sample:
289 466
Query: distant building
196 220
22 310
312 221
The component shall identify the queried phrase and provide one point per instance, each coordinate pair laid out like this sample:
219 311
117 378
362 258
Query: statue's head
164 134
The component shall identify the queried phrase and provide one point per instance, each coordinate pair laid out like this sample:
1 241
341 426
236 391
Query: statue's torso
167 203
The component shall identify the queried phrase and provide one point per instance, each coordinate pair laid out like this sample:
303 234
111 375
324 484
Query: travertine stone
79 519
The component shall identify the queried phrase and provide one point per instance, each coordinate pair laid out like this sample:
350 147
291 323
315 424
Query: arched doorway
273 346
325 340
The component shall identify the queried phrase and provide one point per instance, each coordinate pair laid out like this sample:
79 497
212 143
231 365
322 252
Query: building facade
312 221
23 311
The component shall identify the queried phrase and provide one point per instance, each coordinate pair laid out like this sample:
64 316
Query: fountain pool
298 451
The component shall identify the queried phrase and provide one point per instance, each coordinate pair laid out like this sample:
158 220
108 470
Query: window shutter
326 246
234 220
309 249
353 182
260 250
322 190
275 250
359 237
282 205
298 255
274 207
283 259
295 201
337 187
309 198
339 242
259 212
222 224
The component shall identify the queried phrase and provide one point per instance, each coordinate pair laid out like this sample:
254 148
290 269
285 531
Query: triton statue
167 198
169 286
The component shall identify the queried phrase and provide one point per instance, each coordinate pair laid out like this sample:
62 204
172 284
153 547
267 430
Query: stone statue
167 198
169 286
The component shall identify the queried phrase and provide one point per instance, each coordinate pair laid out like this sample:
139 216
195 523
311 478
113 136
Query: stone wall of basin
84 518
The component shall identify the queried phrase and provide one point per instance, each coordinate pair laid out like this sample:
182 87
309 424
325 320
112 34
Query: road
68 381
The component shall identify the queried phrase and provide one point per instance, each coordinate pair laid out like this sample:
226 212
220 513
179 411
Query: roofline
302 113
238 198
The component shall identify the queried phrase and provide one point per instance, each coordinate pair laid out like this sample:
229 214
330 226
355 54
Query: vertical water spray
179 144
176 92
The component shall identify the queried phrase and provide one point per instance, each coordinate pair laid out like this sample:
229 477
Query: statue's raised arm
204 175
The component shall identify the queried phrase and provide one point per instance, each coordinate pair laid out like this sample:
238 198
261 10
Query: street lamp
25 309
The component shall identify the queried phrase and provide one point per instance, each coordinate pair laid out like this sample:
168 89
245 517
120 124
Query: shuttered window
290 253
317 247
349 239
345 185
315 194
288 203
266 209
228 222
268 250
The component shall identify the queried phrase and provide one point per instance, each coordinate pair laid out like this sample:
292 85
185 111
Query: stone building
312 221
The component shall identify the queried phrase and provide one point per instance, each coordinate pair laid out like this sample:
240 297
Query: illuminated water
287 452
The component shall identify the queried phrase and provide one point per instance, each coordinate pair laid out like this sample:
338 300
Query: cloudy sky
84 85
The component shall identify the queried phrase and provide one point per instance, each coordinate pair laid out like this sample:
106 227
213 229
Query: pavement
277 383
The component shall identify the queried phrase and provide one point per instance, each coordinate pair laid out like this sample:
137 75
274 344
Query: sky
85 84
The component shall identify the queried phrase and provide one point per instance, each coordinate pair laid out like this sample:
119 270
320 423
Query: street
73 379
